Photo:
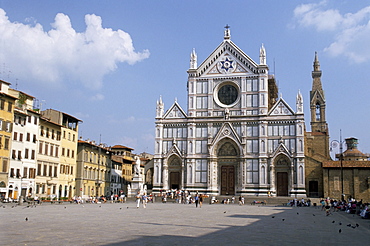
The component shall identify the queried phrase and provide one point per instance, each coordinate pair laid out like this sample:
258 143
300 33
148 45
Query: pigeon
313 215
283 219
120 208
349 225
297 213
127 207
273 217
224 212
26 219
340 230
357 225
100 206
353 227
65 207
333 221
340 223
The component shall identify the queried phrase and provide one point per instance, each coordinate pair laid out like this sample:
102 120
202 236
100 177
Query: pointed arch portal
227 162
174 169
282 167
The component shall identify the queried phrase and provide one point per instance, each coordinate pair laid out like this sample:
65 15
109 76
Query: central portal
227 180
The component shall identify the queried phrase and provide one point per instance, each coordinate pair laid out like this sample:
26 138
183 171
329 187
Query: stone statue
137 166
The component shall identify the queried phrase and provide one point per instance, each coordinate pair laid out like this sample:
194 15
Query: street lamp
334 144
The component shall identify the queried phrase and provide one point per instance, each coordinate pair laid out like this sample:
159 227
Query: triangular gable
281 148
175 112
317 97
228 64
174 150
226 131
227 58
281 108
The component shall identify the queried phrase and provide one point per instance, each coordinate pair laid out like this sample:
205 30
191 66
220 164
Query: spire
227 32
299 103
262 55
317 100
193 60
160 108
316 75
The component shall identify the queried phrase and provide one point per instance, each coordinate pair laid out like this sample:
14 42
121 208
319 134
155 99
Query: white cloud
351 31
62 53
97 97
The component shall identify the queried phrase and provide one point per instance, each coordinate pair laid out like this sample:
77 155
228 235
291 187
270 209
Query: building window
202 102
201 171
2 104
10 106
26 153
12 174
252 146
5 166
21 137
15 136
201 147
6 143
25 172
252 171
33 154
28 138
40 147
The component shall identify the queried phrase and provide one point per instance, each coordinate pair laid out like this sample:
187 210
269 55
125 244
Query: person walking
145 200
196 198
200 200
138 199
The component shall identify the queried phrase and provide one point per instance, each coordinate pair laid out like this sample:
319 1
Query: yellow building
125 156
93 170
68 154
6 124
47 177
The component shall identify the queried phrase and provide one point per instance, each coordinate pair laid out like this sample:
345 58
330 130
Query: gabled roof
174 150
226 131
281 108
174 112
346 164
238 61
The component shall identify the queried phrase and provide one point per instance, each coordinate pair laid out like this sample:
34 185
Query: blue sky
107 62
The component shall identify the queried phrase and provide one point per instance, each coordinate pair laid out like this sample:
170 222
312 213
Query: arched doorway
227 162
282 168
174 171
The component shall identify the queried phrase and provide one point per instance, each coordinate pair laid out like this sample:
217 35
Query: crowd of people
351 206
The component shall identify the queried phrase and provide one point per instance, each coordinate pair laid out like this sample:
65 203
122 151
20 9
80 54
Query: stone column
272 180
165 175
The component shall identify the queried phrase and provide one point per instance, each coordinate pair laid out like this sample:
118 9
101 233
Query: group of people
299 203
141 198
351 206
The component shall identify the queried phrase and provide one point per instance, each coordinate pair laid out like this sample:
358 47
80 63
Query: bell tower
317 101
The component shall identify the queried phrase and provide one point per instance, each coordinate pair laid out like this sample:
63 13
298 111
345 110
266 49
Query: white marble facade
233 139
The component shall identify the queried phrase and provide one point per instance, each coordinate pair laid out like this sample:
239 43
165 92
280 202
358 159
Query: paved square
178 224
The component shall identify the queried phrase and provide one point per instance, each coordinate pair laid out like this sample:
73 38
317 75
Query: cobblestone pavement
178 224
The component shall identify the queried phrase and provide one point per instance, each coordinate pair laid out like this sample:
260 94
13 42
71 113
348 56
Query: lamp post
333 144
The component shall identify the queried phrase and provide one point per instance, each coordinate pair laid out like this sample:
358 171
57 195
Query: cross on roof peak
227 32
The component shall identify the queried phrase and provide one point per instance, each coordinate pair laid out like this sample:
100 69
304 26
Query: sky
108 62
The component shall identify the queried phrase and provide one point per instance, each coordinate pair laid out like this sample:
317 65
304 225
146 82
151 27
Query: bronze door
174 180
282 184
227 180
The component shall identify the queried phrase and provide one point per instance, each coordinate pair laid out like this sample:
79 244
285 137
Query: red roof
346 164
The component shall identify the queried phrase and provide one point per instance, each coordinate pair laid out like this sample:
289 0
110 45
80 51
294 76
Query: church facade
237 137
